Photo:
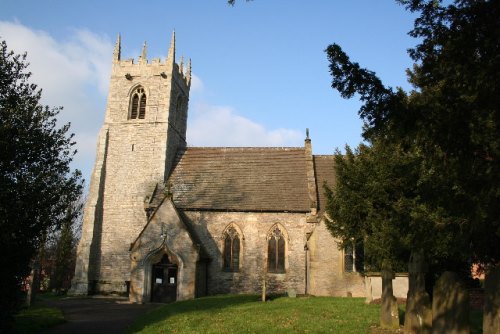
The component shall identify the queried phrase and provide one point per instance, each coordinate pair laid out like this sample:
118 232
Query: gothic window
354 257
276 251
349 258
231 250
138 104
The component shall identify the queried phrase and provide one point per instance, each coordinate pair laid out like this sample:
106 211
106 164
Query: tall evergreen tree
65 250
449 123
36 182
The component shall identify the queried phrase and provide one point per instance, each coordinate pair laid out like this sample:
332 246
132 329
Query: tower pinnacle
188 73
118 48
171 50
144 52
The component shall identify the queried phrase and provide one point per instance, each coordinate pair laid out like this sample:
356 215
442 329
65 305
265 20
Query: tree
65 249
37 185
448 123
372 203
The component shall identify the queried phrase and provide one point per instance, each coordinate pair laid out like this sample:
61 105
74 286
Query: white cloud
73 73
196 84
221 126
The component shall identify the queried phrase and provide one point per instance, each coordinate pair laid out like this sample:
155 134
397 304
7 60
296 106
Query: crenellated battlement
142 68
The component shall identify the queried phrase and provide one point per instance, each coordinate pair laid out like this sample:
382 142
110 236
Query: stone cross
418 317
389 314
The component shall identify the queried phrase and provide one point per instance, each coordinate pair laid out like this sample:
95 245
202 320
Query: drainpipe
307 269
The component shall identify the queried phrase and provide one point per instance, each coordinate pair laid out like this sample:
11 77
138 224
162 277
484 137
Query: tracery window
231 250
276 251
138 104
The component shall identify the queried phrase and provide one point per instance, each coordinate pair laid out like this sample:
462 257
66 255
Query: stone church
165 222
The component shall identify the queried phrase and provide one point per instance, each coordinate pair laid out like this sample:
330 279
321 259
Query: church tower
144 127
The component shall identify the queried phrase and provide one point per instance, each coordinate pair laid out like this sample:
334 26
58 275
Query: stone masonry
157 206
133 155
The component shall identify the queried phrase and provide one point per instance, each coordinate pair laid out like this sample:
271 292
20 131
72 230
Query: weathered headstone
389 314
291 293
450 305
491 315
418 317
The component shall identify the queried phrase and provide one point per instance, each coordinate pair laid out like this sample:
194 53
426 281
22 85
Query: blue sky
260 71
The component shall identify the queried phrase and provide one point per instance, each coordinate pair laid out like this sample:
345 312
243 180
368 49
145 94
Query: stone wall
254 228
164 234
327 277
373 283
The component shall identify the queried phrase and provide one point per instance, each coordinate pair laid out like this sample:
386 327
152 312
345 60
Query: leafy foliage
448 129
36 183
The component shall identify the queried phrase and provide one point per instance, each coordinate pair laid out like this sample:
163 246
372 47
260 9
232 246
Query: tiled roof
323 168
240 179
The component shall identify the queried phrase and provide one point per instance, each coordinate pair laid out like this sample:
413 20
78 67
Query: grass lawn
247 314
37 318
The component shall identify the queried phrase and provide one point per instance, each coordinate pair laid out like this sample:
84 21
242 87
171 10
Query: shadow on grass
37 318
205 304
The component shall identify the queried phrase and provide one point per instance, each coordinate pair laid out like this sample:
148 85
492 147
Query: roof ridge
245 147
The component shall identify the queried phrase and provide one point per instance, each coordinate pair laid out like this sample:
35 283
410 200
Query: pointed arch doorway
164 281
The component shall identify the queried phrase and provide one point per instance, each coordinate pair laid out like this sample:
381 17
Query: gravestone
418 316
291 293
450 305
491 315
389 314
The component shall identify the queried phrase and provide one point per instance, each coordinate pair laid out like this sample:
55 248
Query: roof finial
181 65
188 73
171 50
118 49
144 52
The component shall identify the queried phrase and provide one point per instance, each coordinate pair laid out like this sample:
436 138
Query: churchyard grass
37 318
247 314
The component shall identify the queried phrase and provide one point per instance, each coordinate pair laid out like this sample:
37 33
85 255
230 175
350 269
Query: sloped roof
323 169
240 179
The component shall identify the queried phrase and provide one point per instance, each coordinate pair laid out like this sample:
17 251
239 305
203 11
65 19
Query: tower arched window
276 251
231 250
138 104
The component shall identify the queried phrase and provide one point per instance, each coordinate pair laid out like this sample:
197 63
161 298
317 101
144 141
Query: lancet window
231 250
276 251
138 104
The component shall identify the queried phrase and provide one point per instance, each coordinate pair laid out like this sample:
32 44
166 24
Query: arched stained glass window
138 104
276 251
231 250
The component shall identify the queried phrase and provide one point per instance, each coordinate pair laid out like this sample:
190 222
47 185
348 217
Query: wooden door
164 281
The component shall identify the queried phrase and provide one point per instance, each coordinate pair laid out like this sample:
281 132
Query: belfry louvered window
276 251
231 250
138 104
